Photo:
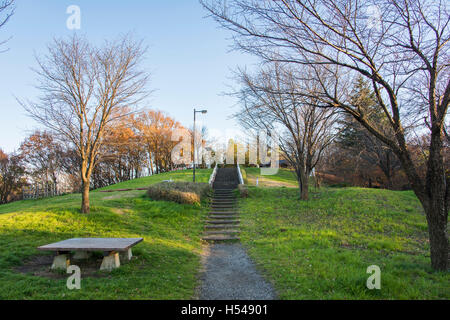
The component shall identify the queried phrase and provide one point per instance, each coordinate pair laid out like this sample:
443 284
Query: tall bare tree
84 89
271 102
401 47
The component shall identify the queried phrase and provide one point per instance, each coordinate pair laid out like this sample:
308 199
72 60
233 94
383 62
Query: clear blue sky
189 56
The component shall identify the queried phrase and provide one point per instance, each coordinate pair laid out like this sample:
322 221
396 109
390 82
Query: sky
190 60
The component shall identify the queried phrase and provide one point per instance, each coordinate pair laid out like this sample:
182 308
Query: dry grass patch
179 192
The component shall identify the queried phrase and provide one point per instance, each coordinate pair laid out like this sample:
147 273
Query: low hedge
180 192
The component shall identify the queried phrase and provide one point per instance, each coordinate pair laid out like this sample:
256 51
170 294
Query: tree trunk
388 171
436 206
437 229
303 185
85 208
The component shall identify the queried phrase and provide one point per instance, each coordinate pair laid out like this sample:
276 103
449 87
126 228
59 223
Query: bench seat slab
93 244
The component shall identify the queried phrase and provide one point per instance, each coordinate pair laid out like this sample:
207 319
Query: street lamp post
195 149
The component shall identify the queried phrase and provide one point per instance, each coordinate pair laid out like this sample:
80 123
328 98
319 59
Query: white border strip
241 180
213 176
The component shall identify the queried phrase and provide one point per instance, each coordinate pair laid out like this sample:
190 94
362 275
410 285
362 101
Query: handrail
241 180
212 178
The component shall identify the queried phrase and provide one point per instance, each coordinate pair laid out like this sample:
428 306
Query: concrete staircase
222 223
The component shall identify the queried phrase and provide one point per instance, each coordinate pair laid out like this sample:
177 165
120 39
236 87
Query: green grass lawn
318 249
284 177
321 249
184 175
166 264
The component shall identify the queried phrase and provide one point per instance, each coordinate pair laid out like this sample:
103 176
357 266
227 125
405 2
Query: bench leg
110 262
81 255
61 262
126 256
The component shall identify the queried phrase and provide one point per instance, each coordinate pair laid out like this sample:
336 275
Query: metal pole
194 144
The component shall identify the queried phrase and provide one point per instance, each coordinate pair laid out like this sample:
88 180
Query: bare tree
6 12
12 174
42 154
84 89
155 129
401 47
199 147
271 101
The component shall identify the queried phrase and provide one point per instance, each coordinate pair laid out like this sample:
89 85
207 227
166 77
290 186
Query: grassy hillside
318 249
321 249
184 175
166 264
284 178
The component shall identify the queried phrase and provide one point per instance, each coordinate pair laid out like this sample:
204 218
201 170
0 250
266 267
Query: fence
39 191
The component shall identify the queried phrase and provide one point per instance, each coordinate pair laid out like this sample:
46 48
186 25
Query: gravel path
230 275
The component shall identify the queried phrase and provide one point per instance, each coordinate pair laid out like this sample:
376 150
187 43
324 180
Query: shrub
243 190
180 192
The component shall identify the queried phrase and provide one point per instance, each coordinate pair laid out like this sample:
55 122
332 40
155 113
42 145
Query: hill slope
321 249
166 264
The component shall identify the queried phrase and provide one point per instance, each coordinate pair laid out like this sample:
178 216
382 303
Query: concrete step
220 226
217 216
224 212
220 238
222 208
224 205
222 221
221 232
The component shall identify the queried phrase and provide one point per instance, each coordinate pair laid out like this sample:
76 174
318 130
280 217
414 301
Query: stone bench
113 249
